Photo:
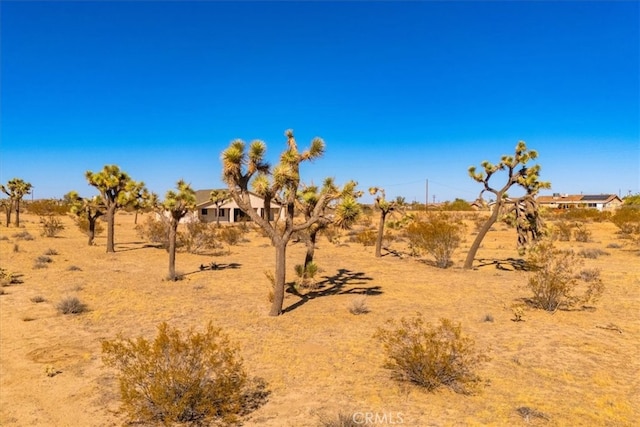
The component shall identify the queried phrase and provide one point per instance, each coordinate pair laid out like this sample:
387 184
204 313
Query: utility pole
426 200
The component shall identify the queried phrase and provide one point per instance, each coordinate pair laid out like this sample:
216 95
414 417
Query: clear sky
401 92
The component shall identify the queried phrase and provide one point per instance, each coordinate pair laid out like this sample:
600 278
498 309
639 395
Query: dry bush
366 237
437 235
230 235
359 306
71 305
332 234
46 207
614 246
38 299
7 278
51 252
343 419
51 226
627 219
198 237
563 231
74 268
554 279
592 253
431 356
44 259
581 234
584 215
195 378
155 231
23 235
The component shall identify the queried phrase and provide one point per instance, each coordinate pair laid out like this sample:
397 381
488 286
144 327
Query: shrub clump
432 356
23 235
437 235
51 226
581 233
183 378
366 237
71 305
554 279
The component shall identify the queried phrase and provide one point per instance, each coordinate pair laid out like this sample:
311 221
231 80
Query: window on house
204 211
220 212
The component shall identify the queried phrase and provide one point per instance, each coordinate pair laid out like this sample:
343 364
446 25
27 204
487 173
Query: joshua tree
219 198
178 205
91 209
385 207
16 190
242 167
345 211
7 205
117 191
528 220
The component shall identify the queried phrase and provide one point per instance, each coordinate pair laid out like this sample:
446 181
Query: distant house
601 202
229 212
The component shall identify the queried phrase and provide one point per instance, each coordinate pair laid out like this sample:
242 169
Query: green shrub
198 237
554 280
51 226
182 378
154 230
437 235
46 207
83 225
584 214
431 356
71 305
457 205
627 219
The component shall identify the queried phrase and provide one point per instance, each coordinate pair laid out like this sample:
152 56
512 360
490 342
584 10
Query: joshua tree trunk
311 248
173 231
383 215
111 216
468 263
279 278
17 213
92 228
8 212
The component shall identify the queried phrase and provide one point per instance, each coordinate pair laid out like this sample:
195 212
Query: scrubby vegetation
51 226
438 235
432 356
554 280
194 378
71 305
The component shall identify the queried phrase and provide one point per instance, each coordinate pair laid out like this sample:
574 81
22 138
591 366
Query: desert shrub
51 226
488 318
38 299
332 234
23 235
71 305
47 207
431 356
457 205
16 248
614 246
44 259
182 378
198 237
437 235
581 234
154 230
230 235
83 225
563 231
74 268
343 419
359 305
366 237
272 284
38 265
7 278
584 214
51 252
592 253
589 274
554 280
627 219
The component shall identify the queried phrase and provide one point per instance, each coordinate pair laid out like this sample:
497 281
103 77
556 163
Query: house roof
578 198
203 199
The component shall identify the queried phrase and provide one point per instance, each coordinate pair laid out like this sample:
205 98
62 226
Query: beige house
229 212
601 202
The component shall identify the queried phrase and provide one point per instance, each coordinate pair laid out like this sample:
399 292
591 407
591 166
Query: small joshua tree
219 198
86 209
528 222
16 189
177 205
385 207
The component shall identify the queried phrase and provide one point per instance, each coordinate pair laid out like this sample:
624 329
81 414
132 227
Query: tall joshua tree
16 189
89 208
178 204
343 212
243 167
219 198
517 174
7 206
385 207
117 191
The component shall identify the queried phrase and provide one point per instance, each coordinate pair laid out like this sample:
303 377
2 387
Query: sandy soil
318 359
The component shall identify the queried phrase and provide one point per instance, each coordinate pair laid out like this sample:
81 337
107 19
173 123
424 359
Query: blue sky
401 92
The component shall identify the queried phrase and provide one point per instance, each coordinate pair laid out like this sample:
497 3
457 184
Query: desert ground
577 368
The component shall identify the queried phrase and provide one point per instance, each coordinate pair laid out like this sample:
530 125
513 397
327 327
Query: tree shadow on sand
344 282
215 266
507 264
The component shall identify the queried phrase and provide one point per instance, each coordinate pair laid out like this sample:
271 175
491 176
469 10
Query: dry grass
318 358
